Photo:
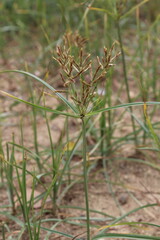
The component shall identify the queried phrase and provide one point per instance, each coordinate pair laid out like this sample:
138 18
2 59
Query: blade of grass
133 8
13 218
132 211
126 77
45 84
40 107
85 177
126 236
121 106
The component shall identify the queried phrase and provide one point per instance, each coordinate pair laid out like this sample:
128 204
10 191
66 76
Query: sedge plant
78 73
81 79
81 76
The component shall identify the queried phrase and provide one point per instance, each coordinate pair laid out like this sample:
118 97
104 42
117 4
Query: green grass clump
60 43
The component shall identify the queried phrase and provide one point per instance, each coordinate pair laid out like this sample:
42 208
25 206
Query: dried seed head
78 69
74 39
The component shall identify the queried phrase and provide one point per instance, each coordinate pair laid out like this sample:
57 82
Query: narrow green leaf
91 210
121 106
13 218
60 233
102 10
134 8
127 236
40 107
130 212
155 166
149 148
129 224
47 85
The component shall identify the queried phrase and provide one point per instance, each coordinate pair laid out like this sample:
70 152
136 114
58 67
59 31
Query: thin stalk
103 130
108 98
23 187
102 133
87 33
35 136
2 166
34 112
103 120
54 166
3 233
110 187
67 139
10 176
126 79
85 176
141 52
155 68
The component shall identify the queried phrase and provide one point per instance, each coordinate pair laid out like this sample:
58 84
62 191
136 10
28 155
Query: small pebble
123 198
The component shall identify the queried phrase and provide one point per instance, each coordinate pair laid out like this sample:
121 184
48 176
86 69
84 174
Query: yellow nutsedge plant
79 73
81 76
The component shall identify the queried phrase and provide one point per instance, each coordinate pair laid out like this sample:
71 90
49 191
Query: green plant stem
102 133
67 139
10 176
54 166
22 197
34 112
85 176
143 87
3 232
2 166
126 79
108 99
35 136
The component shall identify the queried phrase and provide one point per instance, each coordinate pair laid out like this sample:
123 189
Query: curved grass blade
45 84
129 224
33 154
150 164
40 107
134 8
124 15
149 148
102 10
91 210
60 233
127 236
130 212
121 106
13 218
84 15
